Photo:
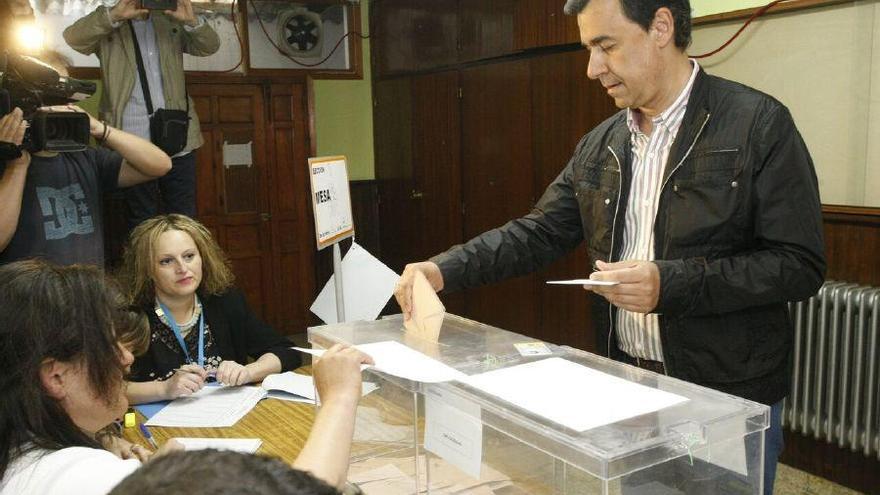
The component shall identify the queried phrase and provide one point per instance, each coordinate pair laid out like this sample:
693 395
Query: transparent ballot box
525 417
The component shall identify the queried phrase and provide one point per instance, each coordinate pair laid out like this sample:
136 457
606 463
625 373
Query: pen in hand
148 436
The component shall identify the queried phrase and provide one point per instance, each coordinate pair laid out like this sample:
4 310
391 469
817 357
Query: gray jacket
738 233
94 33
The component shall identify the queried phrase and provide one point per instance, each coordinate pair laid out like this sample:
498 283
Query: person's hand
639 287
127 9
12 129
337 375
189 380
403 289
232 373
122 448
96 127
168 447
184 13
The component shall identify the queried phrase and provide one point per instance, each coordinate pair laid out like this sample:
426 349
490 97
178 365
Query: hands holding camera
133 9
12 129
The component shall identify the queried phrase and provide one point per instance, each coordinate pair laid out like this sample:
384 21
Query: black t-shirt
61 208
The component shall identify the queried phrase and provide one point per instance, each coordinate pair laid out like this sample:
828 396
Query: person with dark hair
699 199
64 381
219 472
175 271
124 37
51 203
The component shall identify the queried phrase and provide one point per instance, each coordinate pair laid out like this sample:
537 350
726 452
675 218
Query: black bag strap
142 73
143 76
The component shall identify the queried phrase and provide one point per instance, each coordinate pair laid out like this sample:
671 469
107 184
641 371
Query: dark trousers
173 193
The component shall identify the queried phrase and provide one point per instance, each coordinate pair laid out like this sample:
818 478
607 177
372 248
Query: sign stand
331 204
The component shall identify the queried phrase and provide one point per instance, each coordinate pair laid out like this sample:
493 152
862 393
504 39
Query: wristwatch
9 151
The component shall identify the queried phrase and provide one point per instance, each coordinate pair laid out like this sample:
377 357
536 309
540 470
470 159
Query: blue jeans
773 445
173 193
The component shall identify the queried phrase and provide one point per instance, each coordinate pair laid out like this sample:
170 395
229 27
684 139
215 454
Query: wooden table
283 426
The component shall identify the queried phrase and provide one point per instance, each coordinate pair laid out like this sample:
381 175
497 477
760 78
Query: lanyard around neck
176 329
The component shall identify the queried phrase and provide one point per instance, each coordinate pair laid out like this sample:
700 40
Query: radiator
835 382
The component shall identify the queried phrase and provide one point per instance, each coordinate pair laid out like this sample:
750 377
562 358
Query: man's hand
189 380
127 9
12 129
639 287
232 373
337 375
403 289
184 13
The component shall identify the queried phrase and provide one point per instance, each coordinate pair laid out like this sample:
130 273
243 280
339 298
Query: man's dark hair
642 13
220 472
53 312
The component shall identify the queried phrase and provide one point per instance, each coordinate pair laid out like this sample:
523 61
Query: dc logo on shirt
66 210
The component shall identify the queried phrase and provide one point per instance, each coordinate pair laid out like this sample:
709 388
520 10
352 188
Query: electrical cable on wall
237 35
758 13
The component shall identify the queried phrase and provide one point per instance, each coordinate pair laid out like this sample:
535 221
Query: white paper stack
244 445
210 407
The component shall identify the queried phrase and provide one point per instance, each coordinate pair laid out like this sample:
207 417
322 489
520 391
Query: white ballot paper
572 395
397 359
210 407
427 311
244 445
582 281
298 388
367 286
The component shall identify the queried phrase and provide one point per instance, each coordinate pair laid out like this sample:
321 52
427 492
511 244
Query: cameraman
50 203
163 38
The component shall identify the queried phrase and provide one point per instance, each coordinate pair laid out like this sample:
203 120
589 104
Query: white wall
822 64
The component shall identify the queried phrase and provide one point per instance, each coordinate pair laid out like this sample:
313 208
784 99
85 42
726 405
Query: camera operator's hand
12 129
184 13
96 127
127 9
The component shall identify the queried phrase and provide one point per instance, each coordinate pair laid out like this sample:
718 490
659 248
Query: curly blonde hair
137 264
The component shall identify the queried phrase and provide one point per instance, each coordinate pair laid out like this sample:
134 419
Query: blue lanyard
174 328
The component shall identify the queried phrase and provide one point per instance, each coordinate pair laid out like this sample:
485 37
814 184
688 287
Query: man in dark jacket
699 198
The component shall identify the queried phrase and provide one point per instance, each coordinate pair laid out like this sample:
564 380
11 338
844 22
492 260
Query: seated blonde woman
200 326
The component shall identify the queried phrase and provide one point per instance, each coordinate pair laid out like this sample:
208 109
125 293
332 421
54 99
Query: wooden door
257 210
498 179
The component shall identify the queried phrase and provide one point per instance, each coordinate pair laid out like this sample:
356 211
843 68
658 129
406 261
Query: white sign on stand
331 201
331 204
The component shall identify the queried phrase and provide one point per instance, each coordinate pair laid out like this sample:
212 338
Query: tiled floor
791 481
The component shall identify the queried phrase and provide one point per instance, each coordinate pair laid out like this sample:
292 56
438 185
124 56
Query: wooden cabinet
542 23
411 35
486 29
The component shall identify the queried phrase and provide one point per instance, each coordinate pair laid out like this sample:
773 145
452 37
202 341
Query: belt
647 364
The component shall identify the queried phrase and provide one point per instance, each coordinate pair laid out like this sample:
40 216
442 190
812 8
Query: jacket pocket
705 205
597 188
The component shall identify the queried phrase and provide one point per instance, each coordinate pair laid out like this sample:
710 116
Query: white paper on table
367 284
397 359
295 386
454 431
572 395
210 407
244 445
582 281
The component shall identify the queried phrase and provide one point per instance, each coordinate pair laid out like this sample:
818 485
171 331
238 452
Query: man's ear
52 376
663 27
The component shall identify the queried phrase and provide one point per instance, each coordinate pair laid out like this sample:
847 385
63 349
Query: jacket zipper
663 186
611 253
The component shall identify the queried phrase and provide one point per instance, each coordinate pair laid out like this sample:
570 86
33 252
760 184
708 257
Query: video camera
29 84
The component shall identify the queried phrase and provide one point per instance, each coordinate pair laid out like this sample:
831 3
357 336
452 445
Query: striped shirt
639 334
135 119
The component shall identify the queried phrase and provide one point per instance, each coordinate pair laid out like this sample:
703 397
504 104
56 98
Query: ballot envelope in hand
427 311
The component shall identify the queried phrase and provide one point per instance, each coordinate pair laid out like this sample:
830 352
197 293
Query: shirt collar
670 117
